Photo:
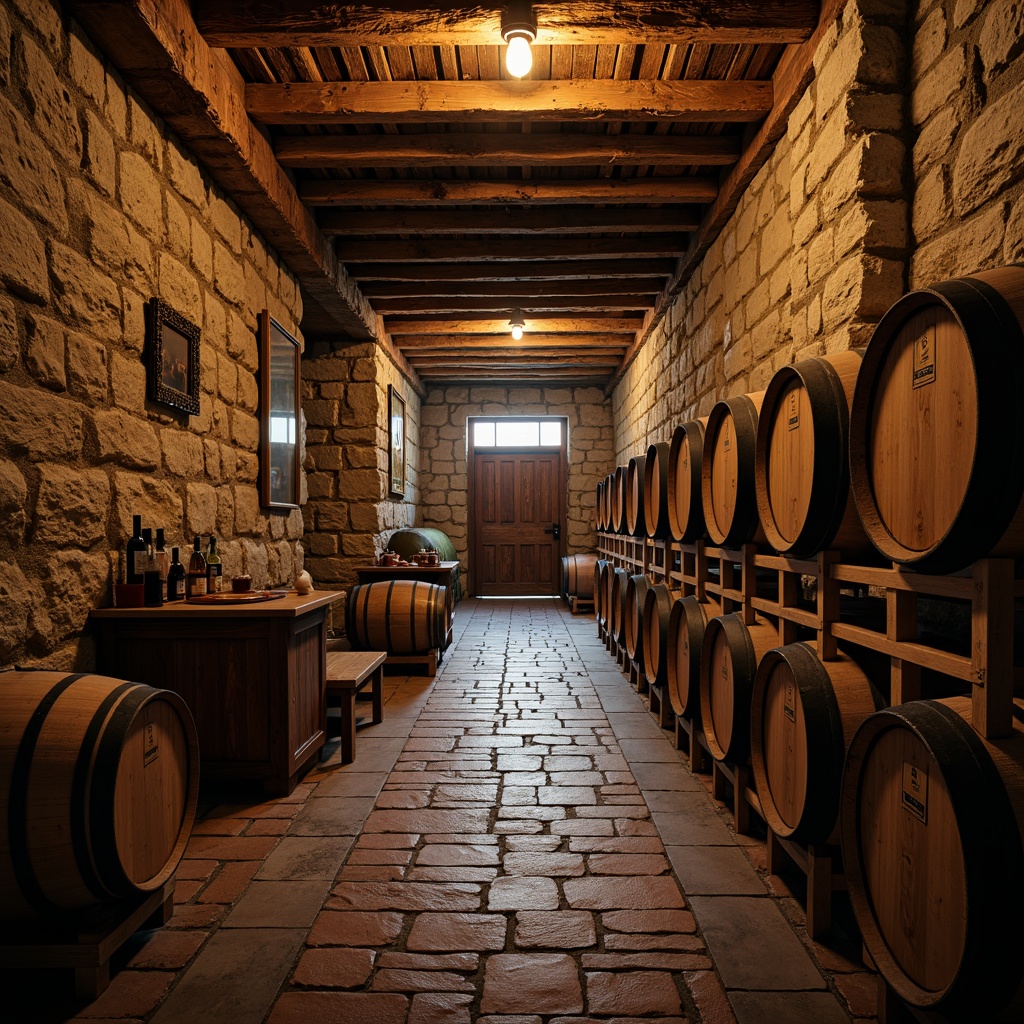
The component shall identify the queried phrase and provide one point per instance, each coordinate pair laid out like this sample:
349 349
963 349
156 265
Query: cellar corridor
518 842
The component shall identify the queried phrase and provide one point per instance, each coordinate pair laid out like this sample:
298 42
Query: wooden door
518 516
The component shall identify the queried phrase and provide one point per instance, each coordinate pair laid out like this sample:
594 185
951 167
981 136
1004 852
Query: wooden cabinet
253 676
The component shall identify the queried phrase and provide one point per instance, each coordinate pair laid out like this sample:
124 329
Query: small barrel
803 715
618 524
636 592
685 458
657 610
617 599
686 623
937 424
801 461
100 784
729 656
578 575
636 520
931 816
656 490
727 472
397 616
601 570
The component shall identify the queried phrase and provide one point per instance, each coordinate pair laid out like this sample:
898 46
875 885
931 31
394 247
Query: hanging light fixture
517 323
518 29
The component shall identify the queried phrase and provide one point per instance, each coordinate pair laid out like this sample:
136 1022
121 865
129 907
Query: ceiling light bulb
518 56
517 323
517 333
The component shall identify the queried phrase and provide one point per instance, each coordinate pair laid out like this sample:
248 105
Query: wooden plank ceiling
453 194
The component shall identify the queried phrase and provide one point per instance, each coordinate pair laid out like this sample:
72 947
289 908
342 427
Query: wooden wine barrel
937 425
397 616
99 780
636 521
617 599
602 568
727 472
803 715
685 504
657 610
619 500
801 462
686 624
931 816
636 593
656 490
599 508
609 494
729 656
578 574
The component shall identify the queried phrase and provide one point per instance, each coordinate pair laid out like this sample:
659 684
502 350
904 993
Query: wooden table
443 575
253 676
348 673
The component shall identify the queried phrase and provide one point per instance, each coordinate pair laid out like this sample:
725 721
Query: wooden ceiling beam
413 342
596 190
397 326
489 250
505 221
603 270
479 149
574 100
532 291
497 365
243 23
468 305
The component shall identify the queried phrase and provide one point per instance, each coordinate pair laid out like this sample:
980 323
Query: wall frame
172 345
396 443
280 415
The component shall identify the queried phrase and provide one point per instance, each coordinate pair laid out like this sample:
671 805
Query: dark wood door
518 514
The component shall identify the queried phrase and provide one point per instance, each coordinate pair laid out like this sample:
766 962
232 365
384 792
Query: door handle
554 529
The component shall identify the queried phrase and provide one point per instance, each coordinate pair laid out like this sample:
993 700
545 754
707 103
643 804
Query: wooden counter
253 676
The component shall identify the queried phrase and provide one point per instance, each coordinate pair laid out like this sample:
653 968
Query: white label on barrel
915 792
789 700
794 412
924 358
726 442
151 749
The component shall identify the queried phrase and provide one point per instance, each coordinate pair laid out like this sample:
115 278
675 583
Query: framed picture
280 415
396 448
172 342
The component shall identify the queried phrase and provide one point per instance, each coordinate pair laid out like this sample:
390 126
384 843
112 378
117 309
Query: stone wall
444 479
350 513
815 253
102 210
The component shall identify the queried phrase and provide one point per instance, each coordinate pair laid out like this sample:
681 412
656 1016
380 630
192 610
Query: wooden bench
349 673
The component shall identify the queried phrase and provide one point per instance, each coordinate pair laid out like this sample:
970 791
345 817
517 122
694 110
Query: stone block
965 10
861 287
935 140
47 99
183 453
185 176
46 352
39 425
177 230
141 194
968 245
125 439
228 275
1002 36
321 413
933 208
72 506
5 48
127 380
13 501
866 54
22 256
929 42
157 501
878 226
872 168
227 221
940 86
828 146
88 376
201 247
247 510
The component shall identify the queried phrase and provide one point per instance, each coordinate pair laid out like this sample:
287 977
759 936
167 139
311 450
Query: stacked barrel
909 455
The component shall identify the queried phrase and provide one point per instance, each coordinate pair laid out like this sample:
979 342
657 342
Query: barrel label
915 792
726 440
151 748
789 700
924 359
793 413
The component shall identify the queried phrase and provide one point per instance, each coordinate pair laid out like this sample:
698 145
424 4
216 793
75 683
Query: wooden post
992 647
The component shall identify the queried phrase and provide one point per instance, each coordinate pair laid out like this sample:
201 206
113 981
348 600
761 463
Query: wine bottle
175 578
135 554
214 568
161 554
195 578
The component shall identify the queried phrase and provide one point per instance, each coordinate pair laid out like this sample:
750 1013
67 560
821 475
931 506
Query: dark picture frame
280 411
172 344
396 442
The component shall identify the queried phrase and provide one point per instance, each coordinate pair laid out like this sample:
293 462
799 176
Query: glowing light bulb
517 333
518 56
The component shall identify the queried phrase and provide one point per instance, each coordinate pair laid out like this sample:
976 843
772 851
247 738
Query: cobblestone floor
518 842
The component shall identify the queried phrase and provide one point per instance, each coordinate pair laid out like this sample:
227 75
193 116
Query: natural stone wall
350 513
101 209
968 153
815 252
444 479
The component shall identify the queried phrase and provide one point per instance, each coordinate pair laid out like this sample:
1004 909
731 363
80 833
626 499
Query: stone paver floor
518 842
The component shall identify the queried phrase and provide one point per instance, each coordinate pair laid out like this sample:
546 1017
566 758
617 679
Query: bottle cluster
166 578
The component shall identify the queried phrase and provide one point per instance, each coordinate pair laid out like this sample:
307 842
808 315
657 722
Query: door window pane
517 433
551 433
483 435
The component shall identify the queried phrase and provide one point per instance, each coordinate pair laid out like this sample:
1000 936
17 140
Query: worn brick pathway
517 843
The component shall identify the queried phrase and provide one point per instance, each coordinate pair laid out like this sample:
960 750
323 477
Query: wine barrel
609 494
686 624
636 592
729 656
617 599
803 715
656 490
619 500
636 522
397 616
931 816
601 570
599 508
801 461
578 575
685 458
100 779
727 472
657 610
937 425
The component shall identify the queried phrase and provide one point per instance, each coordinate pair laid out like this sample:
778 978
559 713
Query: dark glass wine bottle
175 578
135 554
195 578
214 569
161 554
